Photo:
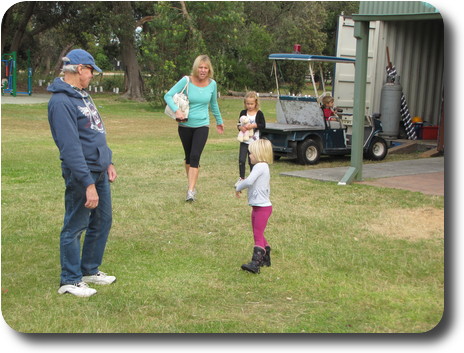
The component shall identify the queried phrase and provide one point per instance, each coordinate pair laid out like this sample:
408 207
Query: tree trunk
59 61
6 25
133 77
19 34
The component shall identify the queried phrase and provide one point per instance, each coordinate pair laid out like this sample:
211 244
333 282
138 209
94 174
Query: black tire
308 152
377 150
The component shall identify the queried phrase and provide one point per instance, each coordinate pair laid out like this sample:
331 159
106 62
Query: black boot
256 260
267 257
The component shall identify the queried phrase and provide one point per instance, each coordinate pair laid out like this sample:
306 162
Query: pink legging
259 218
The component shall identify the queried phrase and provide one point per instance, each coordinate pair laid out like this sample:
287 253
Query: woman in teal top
194 129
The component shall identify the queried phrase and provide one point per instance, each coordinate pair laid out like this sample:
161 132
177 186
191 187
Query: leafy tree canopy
157 41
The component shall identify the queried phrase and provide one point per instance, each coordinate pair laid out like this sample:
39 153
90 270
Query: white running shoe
99 278
191 195
80 289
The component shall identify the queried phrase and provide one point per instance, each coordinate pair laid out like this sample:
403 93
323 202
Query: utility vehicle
302 132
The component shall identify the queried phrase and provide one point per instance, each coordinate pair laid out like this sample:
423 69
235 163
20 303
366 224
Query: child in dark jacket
256 124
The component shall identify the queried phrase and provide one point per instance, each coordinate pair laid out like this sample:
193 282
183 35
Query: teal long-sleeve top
201 99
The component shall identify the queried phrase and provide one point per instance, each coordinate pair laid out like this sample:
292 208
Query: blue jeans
77 219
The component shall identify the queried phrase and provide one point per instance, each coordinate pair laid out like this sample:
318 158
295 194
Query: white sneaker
80 289
99 278
191 195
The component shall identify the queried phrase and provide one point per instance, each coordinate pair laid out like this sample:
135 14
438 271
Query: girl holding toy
258 185
250 131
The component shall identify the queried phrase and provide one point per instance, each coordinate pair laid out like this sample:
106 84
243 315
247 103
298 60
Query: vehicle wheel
377 150
309 152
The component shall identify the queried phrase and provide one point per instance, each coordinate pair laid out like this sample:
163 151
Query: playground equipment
9 83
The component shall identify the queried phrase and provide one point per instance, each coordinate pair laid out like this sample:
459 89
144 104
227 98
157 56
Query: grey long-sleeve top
258 185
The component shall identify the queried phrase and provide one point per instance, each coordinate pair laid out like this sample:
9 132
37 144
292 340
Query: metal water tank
390 106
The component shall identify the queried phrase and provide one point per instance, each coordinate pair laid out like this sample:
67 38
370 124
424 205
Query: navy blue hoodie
78 131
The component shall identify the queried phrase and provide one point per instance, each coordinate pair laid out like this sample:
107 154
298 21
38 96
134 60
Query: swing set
9 83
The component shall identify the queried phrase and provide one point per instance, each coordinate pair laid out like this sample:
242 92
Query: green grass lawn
352 259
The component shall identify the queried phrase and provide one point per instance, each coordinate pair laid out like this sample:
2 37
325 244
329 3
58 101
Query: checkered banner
404 110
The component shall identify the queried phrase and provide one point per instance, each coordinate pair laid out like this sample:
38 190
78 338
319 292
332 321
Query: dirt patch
422 223
430 183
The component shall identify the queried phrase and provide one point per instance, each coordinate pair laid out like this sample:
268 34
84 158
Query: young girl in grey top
258 185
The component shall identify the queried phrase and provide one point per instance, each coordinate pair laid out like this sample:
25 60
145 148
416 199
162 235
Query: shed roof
396 11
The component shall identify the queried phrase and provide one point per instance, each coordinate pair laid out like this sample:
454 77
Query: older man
87 169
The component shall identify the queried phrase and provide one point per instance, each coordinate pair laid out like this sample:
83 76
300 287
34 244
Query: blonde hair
252 95
202 59
262 150
327 99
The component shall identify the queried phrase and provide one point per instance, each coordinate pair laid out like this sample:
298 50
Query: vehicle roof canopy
306 57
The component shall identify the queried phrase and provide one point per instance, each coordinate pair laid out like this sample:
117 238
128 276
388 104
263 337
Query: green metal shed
391 11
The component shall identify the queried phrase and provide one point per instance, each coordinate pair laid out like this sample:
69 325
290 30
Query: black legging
242 157
193 141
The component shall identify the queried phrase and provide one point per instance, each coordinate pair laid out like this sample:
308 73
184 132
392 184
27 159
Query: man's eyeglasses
89 67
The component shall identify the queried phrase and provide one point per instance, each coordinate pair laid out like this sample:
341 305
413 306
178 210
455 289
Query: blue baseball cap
80 57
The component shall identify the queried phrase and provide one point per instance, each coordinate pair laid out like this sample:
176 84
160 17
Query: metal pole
361 33
277 80
312 80
29 73
13 92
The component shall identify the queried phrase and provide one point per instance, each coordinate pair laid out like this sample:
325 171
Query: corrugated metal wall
417 51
